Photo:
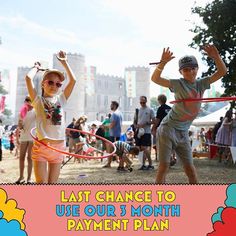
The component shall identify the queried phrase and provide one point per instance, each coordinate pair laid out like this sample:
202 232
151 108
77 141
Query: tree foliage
7 112
219 18
153 103
2 90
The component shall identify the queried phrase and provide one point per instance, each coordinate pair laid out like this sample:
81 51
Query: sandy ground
209 171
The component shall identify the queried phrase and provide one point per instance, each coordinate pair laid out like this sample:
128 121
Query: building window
85 100
120 100
99 83
105 100
120 85
98 100
106 84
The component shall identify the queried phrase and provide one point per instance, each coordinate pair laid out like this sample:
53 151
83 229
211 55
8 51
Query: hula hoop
154 63
221 99
74 154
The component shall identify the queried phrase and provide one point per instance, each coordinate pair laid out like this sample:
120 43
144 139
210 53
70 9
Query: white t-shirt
45 127
28 125
145 116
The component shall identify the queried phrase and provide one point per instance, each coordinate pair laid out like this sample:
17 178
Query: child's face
189 73
51 85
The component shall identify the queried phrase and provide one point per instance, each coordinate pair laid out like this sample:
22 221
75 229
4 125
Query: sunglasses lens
51 83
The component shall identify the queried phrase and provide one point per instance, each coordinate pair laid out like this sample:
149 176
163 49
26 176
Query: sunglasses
52 83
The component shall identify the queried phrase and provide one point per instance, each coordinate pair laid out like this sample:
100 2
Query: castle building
93 93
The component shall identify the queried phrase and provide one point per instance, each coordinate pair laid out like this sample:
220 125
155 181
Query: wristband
158 68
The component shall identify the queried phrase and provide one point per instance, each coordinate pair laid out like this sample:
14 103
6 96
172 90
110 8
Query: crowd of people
167 130
221 137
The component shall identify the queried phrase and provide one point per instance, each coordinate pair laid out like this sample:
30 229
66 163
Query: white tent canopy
211 119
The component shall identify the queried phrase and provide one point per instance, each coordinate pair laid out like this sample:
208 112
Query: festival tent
211 119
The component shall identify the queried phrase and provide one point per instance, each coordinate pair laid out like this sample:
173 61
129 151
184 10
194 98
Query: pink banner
2 104
62 210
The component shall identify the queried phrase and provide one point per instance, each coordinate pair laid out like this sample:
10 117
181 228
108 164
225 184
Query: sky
111 34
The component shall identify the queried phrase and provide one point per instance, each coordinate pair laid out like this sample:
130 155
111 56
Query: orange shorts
45 154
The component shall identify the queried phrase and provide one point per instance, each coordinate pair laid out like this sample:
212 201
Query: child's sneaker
130 169
122 169
143 167
173 162
150 167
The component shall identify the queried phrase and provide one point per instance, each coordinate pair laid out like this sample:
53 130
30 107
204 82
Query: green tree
2 90
7 112
153 103
219 28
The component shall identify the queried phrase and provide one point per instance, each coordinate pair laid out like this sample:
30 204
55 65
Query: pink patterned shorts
45 154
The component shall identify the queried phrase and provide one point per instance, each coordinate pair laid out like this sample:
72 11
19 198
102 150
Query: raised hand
61 56
167 55
211 51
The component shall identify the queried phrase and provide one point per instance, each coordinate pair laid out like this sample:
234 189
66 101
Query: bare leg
54 172
30 163
40 171
191 173
142 149
121 162
127 160
147 152
161 173
23 149
109 159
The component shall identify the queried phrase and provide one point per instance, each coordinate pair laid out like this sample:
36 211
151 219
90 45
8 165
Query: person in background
70 140
223 136
2 130
233 131
106 124
26 123
17 143
114 128
123 150
162 111
145 119
216 128
208 136
202 139
91 139
11 141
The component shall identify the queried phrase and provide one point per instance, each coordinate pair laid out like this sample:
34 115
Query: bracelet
158 68
163 61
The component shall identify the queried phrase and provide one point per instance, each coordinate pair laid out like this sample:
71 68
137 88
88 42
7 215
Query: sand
209 171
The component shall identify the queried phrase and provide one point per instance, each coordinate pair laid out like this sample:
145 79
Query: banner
63 210
130 80
2 104
90 73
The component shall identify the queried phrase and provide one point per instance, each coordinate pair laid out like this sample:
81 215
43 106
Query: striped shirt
121 147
